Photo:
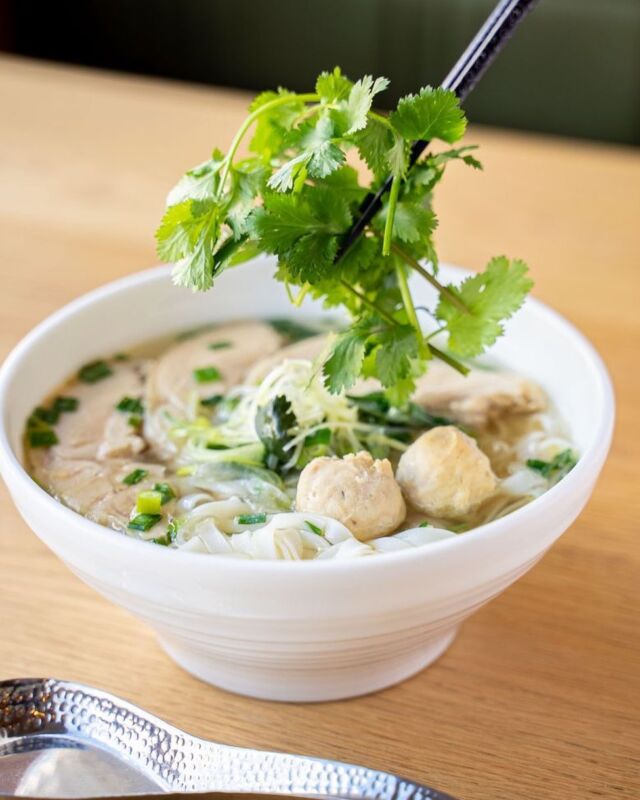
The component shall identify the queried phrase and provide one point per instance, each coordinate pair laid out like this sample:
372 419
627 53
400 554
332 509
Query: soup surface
225 441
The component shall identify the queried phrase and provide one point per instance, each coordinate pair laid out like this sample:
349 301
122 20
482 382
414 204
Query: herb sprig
295 197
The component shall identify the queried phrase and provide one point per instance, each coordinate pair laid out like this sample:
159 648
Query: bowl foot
307 684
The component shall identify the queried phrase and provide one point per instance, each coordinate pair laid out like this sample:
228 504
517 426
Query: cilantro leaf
342 368
199 183
333 86
274 423
491 297
183 226
272 127
395 351
358 104
374 143
302 230
320 157
431 114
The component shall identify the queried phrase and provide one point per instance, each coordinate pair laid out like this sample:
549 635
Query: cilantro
431 114
425 524
94 371
555 469
490 297
274 423
296 197
342 368
207 374
135 477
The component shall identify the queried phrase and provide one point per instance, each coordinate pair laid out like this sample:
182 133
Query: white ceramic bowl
315 630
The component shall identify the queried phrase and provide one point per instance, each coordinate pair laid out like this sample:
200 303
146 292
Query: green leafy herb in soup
271 440
295 196
275 465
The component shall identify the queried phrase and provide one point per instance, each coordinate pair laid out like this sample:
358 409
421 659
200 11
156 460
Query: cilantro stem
450 360
444 290
369 303
391 213
277 101
408 302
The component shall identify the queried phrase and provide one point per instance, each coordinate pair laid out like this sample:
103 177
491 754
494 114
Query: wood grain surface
539 696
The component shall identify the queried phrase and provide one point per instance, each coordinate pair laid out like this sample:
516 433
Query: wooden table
539 696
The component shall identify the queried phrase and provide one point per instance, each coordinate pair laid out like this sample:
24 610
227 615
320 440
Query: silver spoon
61 739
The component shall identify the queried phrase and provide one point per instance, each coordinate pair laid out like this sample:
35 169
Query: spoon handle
40 715
229 769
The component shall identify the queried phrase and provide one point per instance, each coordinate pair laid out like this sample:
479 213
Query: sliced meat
308 349
479 398
82 470
96 489
229 351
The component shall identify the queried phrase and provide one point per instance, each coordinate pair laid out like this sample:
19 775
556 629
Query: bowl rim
489 532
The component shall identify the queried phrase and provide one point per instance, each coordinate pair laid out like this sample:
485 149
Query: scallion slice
94 371
207 374
131 404
135 477
165 491
144 522
44 437
64 404
314 528
251 519
214 400
220 345
149 502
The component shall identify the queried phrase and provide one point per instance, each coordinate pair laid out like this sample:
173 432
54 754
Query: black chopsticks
464 75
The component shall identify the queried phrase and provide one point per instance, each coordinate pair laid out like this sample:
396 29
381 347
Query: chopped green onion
184 471
149 502
170 535
220 345
207 374
45 437
131 404
66 403
558 467
321 436
251 519
135 477
48 415
294 331
214 400
215 446
94 371
165 490
314 528
425 524
144 522
135 420
121 357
